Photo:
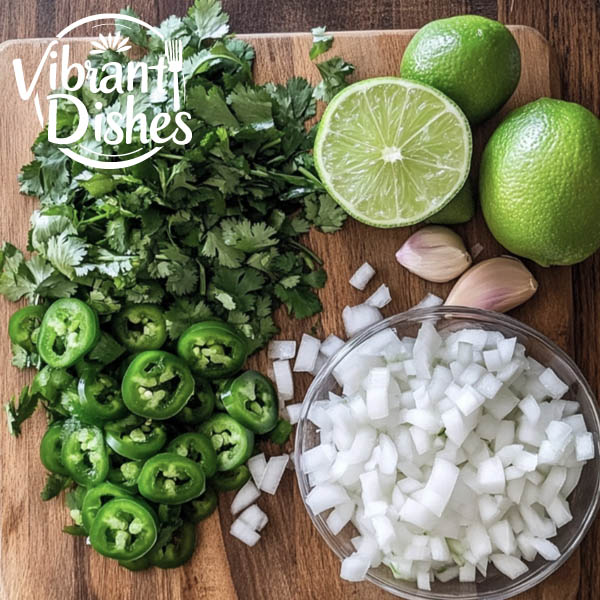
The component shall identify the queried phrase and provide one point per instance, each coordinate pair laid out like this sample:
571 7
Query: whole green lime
473 60
539 182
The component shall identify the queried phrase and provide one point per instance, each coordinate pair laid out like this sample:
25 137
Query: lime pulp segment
391 151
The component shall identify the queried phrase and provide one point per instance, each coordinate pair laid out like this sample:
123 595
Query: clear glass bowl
584 500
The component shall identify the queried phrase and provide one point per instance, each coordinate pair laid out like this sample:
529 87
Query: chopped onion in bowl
449 453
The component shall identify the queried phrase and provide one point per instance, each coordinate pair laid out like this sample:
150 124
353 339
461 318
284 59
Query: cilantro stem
171 156
306 251
310 176
93 219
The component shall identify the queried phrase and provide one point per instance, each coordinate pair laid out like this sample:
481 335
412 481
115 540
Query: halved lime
391 151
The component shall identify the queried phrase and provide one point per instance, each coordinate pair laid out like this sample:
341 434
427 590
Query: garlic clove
498 284
434 253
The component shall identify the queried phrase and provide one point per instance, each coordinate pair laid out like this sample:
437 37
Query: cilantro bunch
209 229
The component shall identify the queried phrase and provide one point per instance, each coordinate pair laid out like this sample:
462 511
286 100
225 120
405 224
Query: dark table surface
572 26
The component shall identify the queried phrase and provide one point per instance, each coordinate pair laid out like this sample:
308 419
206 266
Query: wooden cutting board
290 561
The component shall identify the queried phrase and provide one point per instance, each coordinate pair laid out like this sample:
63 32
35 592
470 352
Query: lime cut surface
392 152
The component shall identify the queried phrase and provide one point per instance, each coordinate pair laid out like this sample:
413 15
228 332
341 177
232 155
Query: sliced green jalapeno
252 400
124 528
84 453
157 385
202 507
232 442
96 497
213 349
168 478
51 449
177 549
134 437
68 331
124 472
100 398
197 447
24 326
229 481
200 406
141 327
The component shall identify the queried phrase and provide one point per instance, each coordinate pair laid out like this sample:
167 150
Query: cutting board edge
348 33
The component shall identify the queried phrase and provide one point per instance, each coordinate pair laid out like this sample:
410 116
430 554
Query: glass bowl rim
418 315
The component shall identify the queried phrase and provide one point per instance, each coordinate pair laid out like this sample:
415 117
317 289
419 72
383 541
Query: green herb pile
209 229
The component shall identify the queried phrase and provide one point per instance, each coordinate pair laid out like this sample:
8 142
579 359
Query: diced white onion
254 517
256 465
294 411
284 381
308 353
429 301
331 345
380 298
362 276
273 473
243 532
247 494
281 349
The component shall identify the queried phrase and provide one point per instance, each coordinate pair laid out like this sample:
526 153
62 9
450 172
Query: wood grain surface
291 561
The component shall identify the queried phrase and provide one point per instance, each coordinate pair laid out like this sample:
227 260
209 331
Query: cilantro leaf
333 72
18 412
135 32
246 236
215 247
210 106
321 42
55 484
206 20
300 301
322 211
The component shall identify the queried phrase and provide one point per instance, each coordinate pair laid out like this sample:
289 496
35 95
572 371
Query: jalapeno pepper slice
99 398
200 406
157 385
96 497
168 478
202 507
69 330
213 349
177 548
24 326
84 454
124 528
141 327
232 442
124 472
51 448
139 564
197 447
134 437
252 400
229 481
222 387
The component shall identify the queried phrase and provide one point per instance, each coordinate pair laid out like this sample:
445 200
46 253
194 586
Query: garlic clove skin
498 284
434 253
